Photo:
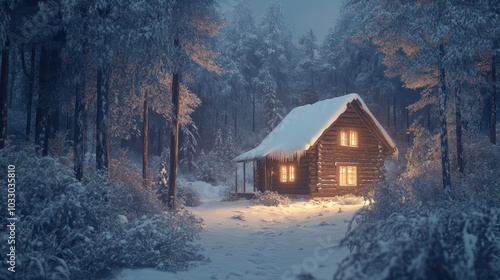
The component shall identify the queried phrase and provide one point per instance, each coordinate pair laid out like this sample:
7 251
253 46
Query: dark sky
300 15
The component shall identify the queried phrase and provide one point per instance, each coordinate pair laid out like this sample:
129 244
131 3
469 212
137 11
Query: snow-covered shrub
230 196
423 166
43 267
269 198
153 240
69 224
348 199
215 165
162 184
188 195
449 240
482 168
122 171
59 146
416 230
127 187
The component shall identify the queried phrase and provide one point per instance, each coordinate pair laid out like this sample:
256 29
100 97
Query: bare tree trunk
79 132
458 120
41 122
4 95
174 138
445 161
145 140
12 82
31 82
102 149
493 117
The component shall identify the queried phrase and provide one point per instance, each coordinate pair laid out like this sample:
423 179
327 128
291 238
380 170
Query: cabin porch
245 181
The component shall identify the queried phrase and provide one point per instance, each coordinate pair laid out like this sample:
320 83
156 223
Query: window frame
347 132
347 165
289 168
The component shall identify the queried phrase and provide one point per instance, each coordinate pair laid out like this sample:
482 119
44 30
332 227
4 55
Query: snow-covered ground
259 242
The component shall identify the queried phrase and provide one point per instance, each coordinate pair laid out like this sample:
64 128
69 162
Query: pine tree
274 54
204 24
309 64
429 57
189 148
238 46
272 105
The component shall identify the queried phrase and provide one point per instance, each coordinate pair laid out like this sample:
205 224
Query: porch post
236 180
254 175
244 176
265 175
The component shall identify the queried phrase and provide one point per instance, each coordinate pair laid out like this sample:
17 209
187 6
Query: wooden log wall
317 169
368 157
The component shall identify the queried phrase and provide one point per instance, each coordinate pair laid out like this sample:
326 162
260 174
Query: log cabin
332 147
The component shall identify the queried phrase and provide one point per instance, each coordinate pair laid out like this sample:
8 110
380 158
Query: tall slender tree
6 8
423 45
145 140
79 131
193 23
238 46
30 75
274 54
174 136
4 94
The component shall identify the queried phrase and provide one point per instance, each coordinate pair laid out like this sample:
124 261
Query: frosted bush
229 196
70 228
188 195
43 267
58 145
269 198
482 168
128 189
348 199
416 230
423 166
438 242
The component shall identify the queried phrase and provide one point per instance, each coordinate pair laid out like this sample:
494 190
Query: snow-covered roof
302 127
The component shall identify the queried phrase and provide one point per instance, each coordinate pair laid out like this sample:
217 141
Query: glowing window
348 175
287 173
349 138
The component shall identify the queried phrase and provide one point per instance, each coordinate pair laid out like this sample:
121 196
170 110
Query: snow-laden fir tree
273 108
238 46
274 54
309 64
423 45
189 148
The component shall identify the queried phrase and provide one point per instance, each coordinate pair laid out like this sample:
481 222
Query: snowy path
259 242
